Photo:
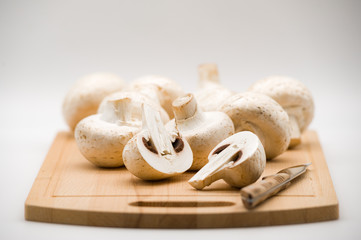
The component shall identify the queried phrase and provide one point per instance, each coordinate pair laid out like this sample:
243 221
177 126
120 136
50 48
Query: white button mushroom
159 88
211 93
239 160
102 137
263 116
202 130
86 94
294 97
154 153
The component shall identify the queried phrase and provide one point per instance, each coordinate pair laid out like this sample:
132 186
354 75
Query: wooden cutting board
69 189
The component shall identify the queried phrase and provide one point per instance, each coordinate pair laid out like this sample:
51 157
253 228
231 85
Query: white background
46 45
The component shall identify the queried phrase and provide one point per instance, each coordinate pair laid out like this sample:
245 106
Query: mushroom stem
212 171
158 135
122 109
186 107
118 111
295 132
208 73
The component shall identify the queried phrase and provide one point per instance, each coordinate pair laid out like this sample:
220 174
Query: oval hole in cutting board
178 204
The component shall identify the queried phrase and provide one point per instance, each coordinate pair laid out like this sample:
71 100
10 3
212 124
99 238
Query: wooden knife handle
256 193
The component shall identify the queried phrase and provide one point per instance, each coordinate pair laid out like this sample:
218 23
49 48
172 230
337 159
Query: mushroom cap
136 164
202 136
102 142
137 100
250 166
147 165
166 90
291 94
86 94
212 96
263 116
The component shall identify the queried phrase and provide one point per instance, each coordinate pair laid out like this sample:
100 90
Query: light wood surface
69 189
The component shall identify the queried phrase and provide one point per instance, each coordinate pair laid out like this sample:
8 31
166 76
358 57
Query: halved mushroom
154 153
261 115
202 130
239 160
84 97
102 137
159 89
211 93
294 97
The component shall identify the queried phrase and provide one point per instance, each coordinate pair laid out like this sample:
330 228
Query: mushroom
154 153
211 93
137 99
239 160
86 94
294 97
101 137
261 115
159 89
202 130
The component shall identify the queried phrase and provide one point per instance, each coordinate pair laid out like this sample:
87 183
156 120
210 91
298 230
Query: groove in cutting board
71 190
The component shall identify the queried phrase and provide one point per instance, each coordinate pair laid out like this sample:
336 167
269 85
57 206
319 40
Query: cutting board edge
177 220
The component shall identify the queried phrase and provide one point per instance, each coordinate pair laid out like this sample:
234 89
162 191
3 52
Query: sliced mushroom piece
84 97
294 97
239 160
137 99
211 93
263 116
160 89
202 130
101 137
154 153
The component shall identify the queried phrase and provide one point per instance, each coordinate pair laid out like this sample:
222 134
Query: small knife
257 192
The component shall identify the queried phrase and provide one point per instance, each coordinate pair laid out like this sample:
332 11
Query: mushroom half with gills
86 94
239 160
161 89
263 116
154 153
101 137
211 93
202 130
294 97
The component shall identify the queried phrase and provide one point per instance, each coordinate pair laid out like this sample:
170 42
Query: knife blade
256 193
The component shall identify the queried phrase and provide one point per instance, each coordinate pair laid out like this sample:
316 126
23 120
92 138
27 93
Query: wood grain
69 189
